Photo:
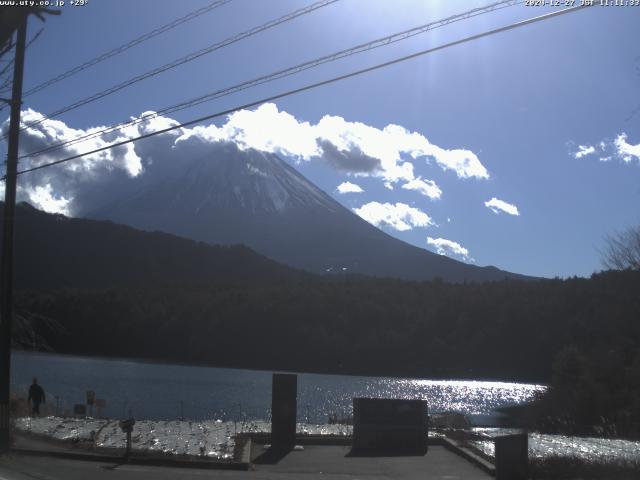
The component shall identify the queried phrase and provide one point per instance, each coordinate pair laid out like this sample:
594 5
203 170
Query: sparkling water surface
162 391
217 403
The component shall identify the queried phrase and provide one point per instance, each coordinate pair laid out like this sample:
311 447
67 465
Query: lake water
160 391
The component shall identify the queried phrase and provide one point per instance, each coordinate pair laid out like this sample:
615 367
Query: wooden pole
6 275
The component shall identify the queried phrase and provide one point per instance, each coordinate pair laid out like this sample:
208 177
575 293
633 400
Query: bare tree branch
622 251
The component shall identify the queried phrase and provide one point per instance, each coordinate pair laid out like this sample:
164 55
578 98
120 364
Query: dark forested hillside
507 330
118 291
54 251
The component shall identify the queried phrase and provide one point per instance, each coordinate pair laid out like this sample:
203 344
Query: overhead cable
315 85
126 46
377 43
182 60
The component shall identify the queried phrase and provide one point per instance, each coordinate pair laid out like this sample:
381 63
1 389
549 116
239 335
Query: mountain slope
257 199
54 251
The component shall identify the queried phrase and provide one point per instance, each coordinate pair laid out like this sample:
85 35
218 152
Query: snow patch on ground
209 438
600 451
214 439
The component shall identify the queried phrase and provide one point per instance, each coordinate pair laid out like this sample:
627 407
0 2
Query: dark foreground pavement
314 462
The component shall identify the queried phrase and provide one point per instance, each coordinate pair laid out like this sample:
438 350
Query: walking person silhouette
36 396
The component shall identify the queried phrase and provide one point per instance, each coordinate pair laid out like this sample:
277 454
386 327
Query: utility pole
6 278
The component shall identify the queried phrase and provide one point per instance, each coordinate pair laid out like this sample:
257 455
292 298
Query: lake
162 391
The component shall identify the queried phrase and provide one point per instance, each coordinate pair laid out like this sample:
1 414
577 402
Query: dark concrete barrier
283 409
390 425
512 457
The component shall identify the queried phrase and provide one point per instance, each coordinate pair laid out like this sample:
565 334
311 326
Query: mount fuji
255 198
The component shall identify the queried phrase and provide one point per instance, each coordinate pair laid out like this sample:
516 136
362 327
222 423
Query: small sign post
127 427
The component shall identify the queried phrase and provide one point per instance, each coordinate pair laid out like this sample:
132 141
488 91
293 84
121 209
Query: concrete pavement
314 462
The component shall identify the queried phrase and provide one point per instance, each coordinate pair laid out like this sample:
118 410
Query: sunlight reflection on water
161 392
323 395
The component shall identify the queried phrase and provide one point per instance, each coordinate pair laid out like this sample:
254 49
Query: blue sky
523 103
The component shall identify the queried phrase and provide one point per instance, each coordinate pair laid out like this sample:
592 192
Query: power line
6 85
378 66
187 58
380 42
122 48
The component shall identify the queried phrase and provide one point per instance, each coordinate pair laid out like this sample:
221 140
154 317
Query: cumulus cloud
44 199
448 247
352 147
269 130
607 150
348 187
399 216
355 148
78 186
584 150
497 206
625 150
51 131
427 188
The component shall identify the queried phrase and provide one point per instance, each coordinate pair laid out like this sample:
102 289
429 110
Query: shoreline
152 361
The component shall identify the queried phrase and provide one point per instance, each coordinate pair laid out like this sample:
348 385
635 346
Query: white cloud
607 149
350 146
427 188
464 162
50 132
626 150
79 186
273 131
497 206
348 187
584 150
448 247
44 199
399 216
353 147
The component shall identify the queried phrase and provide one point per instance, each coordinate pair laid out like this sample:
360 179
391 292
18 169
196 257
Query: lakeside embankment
216 440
